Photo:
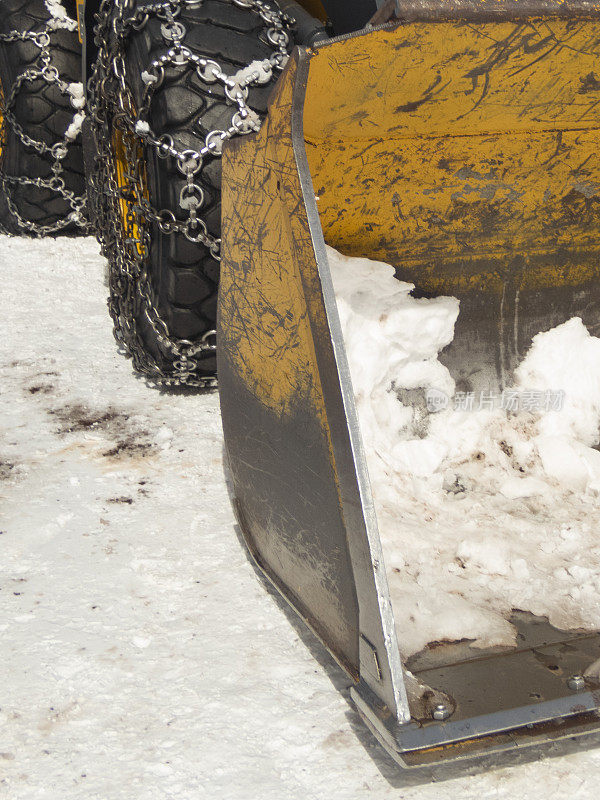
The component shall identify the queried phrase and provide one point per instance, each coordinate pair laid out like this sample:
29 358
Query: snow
256 72
77 95
142 657
74 128
479 510
566 359
142 128
149 78
59 18
78 102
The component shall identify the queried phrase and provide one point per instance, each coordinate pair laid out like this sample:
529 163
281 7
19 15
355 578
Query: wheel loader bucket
459 144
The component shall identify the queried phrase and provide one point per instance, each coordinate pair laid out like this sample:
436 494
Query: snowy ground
142 657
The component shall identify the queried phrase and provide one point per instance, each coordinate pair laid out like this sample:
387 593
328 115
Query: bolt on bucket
459 145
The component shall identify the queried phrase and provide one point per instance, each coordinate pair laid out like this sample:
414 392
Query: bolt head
576 683
441 712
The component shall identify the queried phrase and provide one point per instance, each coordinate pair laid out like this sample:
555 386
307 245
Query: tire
42 184
164 285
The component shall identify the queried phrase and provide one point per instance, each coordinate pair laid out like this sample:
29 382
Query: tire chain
126 243
43 69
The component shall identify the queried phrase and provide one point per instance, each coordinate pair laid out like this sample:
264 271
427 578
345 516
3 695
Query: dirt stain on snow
118 437
34 382
130 446
76 418
338 740
6 470
47 388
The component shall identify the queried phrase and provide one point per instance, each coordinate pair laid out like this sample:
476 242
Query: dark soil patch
127 439
42 389
6 469
77 418
130 446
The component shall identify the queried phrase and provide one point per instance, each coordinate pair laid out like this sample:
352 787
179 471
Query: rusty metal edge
493 10
414 747
476 11
402 740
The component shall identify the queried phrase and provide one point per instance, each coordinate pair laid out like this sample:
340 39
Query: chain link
126 237
44 70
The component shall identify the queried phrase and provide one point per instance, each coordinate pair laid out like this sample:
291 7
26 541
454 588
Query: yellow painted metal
458 78
464 154
131 179
80 6
451 148
268 334
314 7
269 318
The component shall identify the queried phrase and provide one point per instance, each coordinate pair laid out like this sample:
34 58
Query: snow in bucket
481 510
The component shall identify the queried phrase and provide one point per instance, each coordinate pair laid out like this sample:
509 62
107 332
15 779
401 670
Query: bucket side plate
286 429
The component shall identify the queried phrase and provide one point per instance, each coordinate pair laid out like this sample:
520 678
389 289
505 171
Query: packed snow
77 95
74 128
255 72
142 656
142 127
482 508
59 17
78 102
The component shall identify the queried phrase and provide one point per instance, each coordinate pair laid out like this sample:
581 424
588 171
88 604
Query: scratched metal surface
493 10
286 431
465 153
269 382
